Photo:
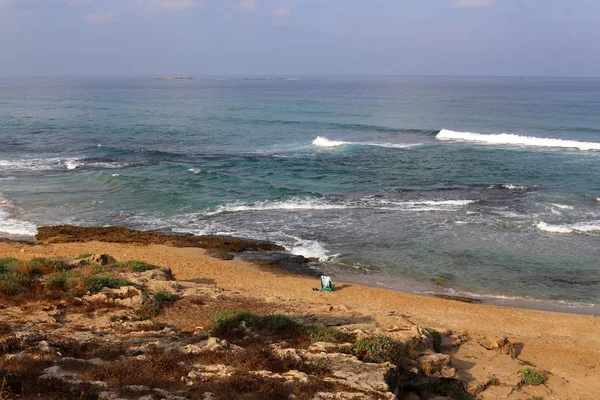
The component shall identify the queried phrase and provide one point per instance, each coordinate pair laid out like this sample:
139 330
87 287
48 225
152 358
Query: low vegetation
530 376
380 349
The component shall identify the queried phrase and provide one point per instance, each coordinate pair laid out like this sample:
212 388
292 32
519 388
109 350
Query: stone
162 286
436 365
499 344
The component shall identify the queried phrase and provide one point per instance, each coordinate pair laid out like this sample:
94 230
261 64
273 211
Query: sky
299 37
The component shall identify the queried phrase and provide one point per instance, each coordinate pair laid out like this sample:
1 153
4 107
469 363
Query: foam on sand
11 226
517 140
324 142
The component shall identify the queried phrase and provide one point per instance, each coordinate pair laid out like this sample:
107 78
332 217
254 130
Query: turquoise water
490 184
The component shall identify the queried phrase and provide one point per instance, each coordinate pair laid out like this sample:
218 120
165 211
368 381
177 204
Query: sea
487 187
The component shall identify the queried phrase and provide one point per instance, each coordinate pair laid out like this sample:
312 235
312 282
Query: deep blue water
395 181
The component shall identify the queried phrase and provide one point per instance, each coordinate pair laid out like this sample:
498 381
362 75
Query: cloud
283 11
168 4
474 3
100 18
247 5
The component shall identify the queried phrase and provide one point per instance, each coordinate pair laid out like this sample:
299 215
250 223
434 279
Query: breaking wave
518 140
583 227
11 226
362 203
324 142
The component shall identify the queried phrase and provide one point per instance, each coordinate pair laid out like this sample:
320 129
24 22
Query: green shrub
532 377
380 349
13 283
96 282
437 339
8 264
228 320
41 266
535 398
165 297
135 266
321 333
64 282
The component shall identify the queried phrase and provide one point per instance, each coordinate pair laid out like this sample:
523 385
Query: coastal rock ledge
102 326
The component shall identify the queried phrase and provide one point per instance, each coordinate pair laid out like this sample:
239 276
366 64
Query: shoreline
565 345
300 264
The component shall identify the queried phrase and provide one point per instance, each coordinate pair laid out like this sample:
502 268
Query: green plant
114 318
165 297
493 382
84 255
135 266
228 320
41 266
65 282
437 339
96 282
535 398
13 283
321 333
532 377
8 264
380 349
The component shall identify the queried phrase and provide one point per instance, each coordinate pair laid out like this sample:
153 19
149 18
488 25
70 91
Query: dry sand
565 345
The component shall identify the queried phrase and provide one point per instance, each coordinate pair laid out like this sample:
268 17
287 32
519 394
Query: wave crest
518 140
324 142
583 227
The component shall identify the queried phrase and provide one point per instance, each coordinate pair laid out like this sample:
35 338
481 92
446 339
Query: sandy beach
566 346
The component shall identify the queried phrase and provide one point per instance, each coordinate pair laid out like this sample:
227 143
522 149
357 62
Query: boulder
436 365
500 344
96 259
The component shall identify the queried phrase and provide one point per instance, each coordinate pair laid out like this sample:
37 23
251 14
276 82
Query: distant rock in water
175 78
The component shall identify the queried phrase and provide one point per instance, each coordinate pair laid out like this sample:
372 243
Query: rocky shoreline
177 325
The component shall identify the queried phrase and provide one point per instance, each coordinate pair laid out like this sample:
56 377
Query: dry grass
259 357
191 312
158 369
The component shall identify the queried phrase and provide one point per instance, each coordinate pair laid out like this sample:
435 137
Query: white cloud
168 4
283 11
100 18
247 5
474 3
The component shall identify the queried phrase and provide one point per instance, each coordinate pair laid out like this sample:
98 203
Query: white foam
11 226
582 227
563 206
35 164
510 186
71 164
195 170
309 249
291 205
324 142
512 139
366 203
